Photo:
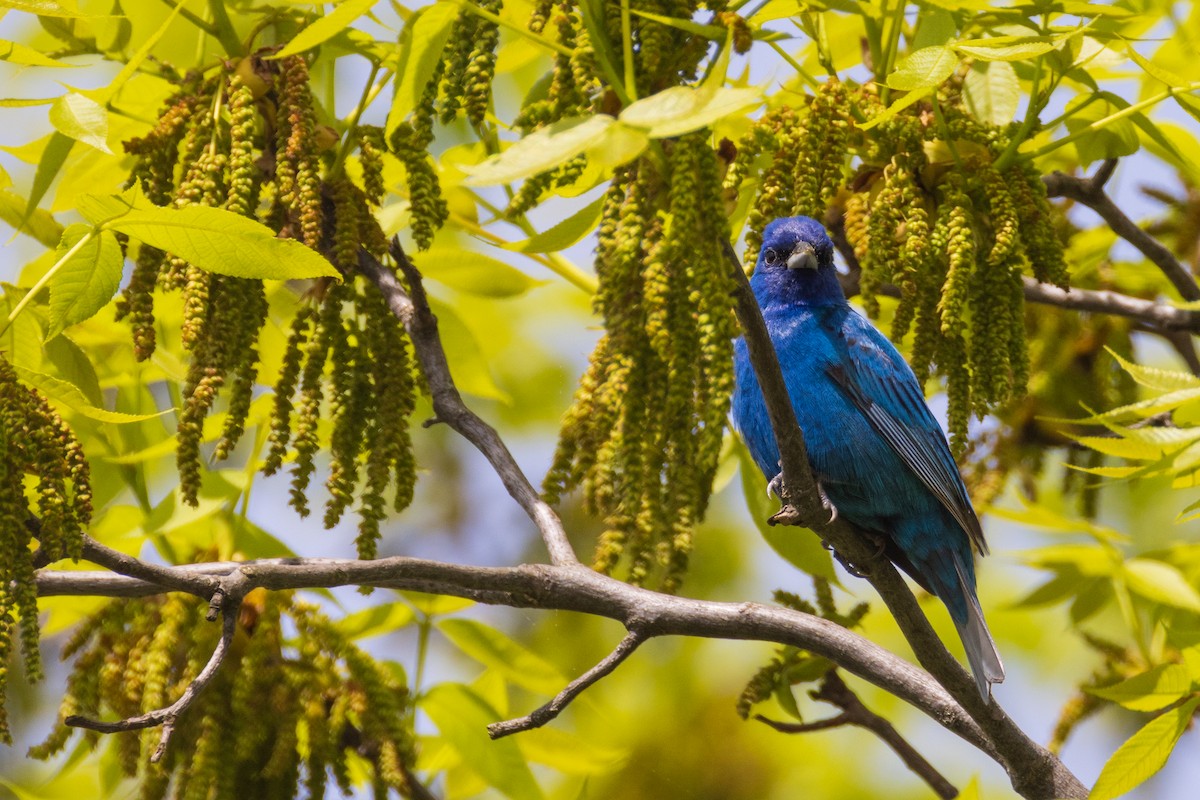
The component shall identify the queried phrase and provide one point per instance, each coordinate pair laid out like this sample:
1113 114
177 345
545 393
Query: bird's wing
880 383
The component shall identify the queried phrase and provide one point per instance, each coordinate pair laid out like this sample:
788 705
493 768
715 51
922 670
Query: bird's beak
803 257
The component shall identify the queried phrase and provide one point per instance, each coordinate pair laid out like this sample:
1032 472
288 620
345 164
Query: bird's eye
771 257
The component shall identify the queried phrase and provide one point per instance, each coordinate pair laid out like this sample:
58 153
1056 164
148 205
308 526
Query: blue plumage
876 449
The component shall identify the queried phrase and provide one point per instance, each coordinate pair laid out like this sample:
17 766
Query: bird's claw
775 487
827 504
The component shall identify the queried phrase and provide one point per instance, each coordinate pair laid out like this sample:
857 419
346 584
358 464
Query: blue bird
879 455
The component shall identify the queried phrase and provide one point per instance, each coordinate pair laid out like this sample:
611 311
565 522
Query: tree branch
412 309
570 587
167 717
540 716
1089 192
835 692
1033 770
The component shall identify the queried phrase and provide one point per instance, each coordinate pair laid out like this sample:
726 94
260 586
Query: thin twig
540 716
835 692
1156 315
1089 192
167 717
412 309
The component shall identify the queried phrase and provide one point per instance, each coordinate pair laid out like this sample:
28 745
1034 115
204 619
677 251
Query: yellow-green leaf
1151 690
326 27
895 108
498 652
1161 583
681 109
992 91
82 119
924 69
376 620
1144 753
73 398
473 272
462 717
220 241
1162 380
87 280
563 234
541 150
17 53
1005 48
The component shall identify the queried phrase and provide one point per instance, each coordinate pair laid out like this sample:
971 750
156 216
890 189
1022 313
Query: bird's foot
788 515
827 504
775 486
854 569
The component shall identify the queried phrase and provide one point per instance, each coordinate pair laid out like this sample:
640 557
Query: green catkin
35 442
1038 234
285 388
312 394
371 146
477 91
240 737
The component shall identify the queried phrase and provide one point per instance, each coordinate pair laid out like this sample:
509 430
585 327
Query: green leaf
992 92
473 272
462 717
82 119
73 398
45 8
1152 690
1161 583
935 27
1005 48
213 239
570 754
421 44
41 225
499 653
87 280
926 68
563 234
17 53
470 370
1113 139
798 546
1189 104
1144 753
52 159
1155 71
682 109
327 26
1162 380
377 620
541 150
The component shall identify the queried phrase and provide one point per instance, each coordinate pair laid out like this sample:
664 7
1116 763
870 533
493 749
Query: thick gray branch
570 587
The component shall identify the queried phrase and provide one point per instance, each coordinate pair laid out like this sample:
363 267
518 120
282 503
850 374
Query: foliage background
663 726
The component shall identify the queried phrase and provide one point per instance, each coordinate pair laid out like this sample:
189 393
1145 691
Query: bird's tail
976 638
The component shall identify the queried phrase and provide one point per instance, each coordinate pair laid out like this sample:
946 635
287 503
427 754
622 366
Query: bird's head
795 264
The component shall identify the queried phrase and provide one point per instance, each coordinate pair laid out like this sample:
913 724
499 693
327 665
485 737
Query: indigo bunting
880 457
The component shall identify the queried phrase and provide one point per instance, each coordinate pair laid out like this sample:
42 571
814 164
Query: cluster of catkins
928 212
34 441
249 141
280 712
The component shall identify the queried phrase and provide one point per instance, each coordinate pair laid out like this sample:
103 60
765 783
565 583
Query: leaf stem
50 273
809 79
1117 115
